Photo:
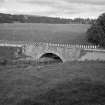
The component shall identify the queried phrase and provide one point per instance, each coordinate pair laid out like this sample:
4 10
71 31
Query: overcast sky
60 8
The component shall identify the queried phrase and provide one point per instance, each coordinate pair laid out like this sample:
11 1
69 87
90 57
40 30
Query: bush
96 33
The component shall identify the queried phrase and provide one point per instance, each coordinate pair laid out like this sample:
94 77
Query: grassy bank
71 83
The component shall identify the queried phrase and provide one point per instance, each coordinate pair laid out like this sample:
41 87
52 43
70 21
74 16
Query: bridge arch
50 56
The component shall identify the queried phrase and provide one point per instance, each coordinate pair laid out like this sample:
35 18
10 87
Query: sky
54 8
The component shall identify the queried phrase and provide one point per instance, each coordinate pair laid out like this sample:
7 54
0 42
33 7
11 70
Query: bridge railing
86 47
22 43
74 45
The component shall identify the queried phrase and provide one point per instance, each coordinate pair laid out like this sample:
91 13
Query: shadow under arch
50 57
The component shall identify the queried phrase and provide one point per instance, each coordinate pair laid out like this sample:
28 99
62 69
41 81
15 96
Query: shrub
96 33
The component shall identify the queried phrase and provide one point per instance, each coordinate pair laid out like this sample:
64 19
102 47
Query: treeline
8 18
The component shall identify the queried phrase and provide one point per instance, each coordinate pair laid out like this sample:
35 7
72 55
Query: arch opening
50 58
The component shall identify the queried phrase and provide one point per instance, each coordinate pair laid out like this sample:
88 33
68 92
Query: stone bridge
65 52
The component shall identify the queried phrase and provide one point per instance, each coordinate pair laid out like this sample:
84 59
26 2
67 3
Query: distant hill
8 18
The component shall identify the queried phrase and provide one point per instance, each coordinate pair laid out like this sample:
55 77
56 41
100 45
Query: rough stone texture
64 52
93 56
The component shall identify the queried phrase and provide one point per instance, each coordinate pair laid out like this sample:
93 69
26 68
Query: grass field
71 83
61 33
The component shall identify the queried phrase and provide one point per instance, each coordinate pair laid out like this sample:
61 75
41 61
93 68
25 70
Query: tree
96 33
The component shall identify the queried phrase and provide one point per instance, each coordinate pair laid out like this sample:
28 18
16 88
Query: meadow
70 83
58 33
